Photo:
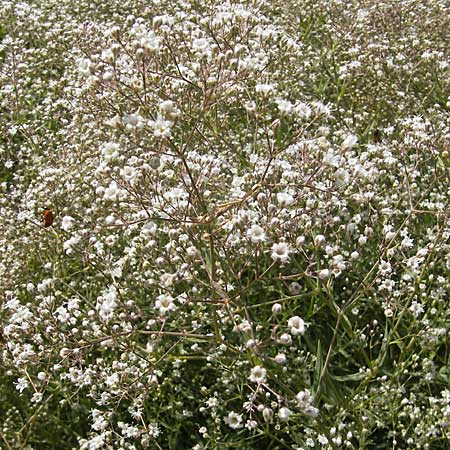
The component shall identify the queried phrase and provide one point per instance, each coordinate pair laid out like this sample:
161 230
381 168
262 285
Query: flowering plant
249 237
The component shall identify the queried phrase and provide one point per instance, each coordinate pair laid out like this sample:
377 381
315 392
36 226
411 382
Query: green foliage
250 238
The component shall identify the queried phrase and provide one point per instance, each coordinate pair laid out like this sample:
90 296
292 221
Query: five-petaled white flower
258 375
280 252
234 420
165 303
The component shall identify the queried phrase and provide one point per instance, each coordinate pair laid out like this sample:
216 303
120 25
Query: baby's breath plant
249 247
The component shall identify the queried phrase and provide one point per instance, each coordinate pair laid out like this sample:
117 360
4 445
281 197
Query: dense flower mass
250 235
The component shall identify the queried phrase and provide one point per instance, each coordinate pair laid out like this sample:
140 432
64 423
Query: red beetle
47 217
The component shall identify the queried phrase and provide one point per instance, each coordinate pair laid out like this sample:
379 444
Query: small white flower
200 44
280 252
280 358
110 150
133 121
303 110
149 229
407 243
342 177
285 199
169 109
296 325
67 223
234 420
349 142
41 376
21 384
324 274
330 159
284 106
385 267
150 42
285 339
256 234
85 67
161 127
267 414
416 309
165 303
305 400
258 375
276 308
264 89
311 411
284 414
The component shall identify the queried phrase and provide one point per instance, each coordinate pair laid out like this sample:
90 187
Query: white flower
21 384
112 192
234 420
407 242
349 142
285 199
263 89
385 267
280 358
305 400
258 375
341 176
110 150
311 411
284 414
165 303
107 304
256 234
330 159
324 274
297 325
169 109
303 110
280 252
153 430
150 41
200 44
285 339
284 106
202 47
128 172
161 127
129 431
85 66
416 309
99 421
149 229
37 397
132 121
67 223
